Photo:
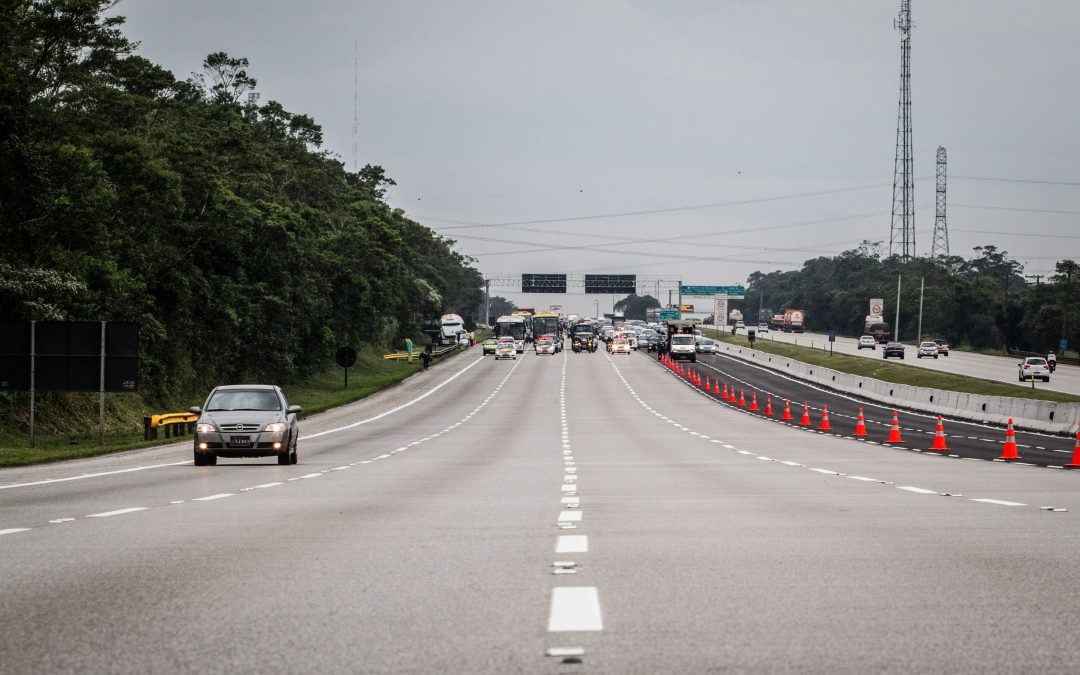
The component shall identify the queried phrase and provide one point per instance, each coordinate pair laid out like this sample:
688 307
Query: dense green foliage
983 302
636 306
243 249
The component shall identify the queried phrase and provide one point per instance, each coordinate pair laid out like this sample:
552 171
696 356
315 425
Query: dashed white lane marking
1000 502
211 498
828 472
575 608
119 512
59 521
14 530
917 490
864 479
572 543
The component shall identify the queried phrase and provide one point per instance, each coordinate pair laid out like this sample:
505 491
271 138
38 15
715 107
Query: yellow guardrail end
171 418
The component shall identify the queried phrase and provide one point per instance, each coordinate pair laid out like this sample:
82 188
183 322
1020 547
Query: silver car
1034 367
246 420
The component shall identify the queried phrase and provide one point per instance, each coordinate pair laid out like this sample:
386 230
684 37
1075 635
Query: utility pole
922 287
896 333
1036 277
487 302
902 231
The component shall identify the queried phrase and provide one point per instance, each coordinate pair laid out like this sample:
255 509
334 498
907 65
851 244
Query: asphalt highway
1066 378
558 514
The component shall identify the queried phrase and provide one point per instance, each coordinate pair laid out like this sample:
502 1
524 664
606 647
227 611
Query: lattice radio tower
355 105
941 227
902 233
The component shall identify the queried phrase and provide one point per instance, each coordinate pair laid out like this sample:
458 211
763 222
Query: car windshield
1037 362
929 344
243 399
682 340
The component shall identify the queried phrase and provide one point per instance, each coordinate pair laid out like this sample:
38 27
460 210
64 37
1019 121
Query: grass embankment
67 424
893 371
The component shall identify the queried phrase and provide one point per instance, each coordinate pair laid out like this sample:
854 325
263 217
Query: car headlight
275 426
204 428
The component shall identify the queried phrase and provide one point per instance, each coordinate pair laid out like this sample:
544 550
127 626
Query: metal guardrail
175 424
398 356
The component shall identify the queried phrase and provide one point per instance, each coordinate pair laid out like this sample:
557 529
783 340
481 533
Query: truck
875 325
734 316
680 342
776 322
513 326
451 326
794 320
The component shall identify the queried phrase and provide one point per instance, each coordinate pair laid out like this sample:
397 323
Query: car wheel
199 459
285 456
901 356
294 458
935 356
1046 379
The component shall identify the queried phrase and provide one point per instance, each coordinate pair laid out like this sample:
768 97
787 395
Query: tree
636 306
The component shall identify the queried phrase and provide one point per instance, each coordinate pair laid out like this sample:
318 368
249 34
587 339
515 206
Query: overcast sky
537 134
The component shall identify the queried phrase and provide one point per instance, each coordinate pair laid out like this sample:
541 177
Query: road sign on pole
877 306
720 304
736 292
1063 346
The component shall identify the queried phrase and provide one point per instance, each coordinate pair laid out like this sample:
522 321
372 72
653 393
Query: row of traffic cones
1009 451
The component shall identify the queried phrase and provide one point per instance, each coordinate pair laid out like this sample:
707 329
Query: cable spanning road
574 513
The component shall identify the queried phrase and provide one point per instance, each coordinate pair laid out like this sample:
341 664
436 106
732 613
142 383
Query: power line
1018 180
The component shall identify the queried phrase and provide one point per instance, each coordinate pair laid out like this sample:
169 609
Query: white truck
451 326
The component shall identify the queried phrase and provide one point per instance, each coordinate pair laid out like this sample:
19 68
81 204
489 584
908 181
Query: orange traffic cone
753 402
707 386
742 399
939 437
697 380
731 397
805 421
1076 454
1009 451
860 426
824 426
787 411
768 406
894 433
723 395
716 388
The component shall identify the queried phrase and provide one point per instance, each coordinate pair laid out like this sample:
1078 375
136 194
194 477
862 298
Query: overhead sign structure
720 305
611 283
669 314
543 283
736 292
877 306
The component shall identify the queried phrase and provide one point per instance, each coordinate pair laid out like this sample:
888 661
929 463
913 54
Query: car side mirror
195 410
293 409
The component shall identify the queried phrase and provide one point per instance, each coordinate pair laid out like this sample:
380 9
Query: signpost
720 305
832 339
1063 346
877 306
737 292
346 358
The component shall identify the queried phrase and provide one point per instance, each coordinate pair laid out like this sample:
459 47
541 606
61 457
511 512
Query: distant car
1034 367
489 346
942 347
506 348
892 349
545 345
867 342
740 324
620 346
927 349
706 346
763 328
246 420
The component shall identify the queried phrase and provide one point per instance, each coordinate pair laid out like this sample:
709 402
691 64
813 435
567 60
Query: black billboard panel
84 338
51 338
543 283
611 283
14 338
121 338
51 373
121 373
14 355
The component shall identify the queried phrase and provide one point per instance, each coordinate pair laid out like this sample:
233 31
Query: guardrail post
149 432
168 431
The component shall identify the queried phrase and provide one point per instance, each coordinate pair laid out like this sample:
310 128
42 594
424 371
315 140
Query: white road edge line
120 512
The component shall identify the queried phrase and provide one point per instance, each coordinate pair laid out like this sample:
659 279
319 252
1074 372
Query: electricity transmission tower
355 104
940 247
902 232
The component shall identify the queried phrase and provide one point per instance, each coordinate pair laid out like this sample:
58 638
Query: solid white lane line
917 490
400 407
14 530
572 543
120 512
999 502
574 609
93 475
570 516
58 521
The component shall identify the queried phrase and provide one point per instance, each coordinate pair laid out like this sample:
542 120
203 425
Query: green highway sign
669 314
737 292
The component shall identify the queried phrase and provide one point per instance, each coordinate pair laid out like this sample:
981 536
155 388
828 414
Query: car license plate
240 441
